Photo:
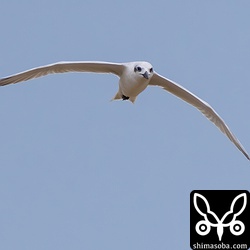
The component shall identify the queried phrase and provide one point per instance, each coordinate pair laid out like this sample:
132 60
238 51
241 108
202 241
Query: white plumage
134 78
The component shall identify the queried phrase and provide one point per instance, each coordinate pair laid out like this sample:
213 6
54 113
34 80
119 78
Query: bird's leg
124 97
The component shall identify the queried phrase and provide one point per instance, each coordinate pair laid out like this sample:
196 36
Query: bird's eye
138 68
151 70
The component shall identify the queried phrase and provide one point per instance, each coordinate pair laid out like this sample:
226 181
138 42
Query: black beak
145 75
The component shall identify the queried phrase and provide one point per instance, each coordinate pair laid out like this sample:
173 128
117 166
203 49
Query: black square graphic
220 219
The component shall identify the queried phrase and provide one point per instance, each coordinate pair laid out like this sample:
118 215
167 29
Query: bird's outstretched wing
62 67
195 101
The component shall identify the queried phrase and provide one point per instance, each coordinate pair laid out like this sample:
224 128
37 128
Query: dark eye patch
137 68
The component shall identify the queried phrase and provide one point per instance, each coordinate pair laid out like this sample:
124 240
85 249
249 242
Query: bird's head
143 69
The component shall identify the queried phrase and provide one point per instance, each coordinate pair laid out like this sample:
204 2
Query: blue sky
80 172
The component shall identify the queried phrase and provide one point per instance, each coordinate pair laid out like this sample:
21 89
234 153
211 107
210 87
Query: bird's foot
125 97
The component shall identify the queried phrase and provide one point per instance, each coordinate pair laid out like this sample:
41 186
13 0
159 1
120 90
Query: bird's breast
132 86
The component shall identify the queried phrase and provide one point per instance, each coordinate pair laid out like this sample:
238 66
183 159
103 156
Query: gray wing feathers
63 67
195 101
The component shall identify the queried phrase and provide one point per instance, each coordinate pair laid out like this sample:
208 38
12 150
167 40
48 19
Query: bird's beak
146 75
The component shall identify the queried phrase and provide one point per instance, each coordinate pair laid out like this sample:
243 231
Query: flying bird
134 78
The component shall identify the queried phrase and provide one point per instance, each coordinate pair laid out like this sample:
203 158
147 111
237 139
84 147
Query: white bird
134 78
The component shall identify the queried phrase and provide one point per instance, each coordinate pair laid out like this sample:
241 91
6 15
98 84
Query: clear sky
80 172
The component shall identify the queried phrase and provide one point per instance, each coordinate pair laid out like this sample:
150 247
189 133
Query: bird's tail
132 99
116 97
